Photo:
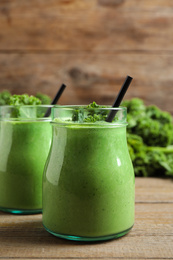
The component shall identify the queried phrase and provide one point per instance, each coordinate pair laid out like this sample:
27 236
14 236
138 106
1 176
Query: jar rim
30 113
85 107
83 115
26 106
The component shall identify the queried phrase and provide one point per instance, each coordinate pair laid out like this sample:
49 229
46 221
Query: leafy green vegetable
17 100
149 136
91 118
94 115
24 100
91 115
153 125
149 160
7 99
78 115
94 105
45 100
4 97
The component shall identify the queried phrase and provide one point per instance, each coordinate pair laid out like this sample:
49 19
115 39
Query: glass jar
88 182
25 137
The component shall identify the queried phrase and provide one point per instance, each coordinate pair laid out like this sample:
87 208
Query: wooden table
23 237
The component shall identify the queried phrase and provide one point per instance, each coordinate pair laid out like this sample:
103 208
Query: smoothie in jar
88 182
25 139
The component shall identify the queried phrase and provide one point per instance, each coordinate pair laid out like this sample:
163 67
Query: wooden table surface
23 236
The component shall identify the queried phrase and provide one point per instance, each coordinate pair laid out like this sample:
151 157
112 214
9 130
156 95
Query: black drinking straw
55 100
119 98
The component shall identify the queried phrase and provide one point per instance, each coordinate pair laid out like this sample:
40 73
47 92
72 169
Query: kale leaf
17 100
91 114
4 97
45 99
7 99
152 124
149 137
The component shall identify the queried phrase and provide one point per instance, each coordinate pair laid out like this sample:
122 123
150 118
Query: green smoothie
24 146
88 183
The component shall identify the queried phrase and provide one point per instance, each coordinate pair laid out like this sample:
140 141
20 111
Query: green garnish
90 115
150 139
45 99
4 97
94 105
23 100
17 100
7 99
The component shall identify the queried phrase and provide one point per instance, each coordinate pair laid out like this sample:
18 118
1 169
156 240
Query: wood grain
96 25
90 76
90 45
154 190
23 237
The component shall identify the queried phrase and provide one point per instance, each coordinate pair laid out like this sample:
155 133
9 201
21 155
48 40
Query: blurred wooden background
90 45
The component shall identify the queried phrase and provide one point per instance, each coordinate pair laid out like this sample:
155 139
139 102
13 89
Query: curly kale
7 99
149 136
45 99
4 97
24 100
95 115
149 160
91 114
17 100
155 127
152 124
